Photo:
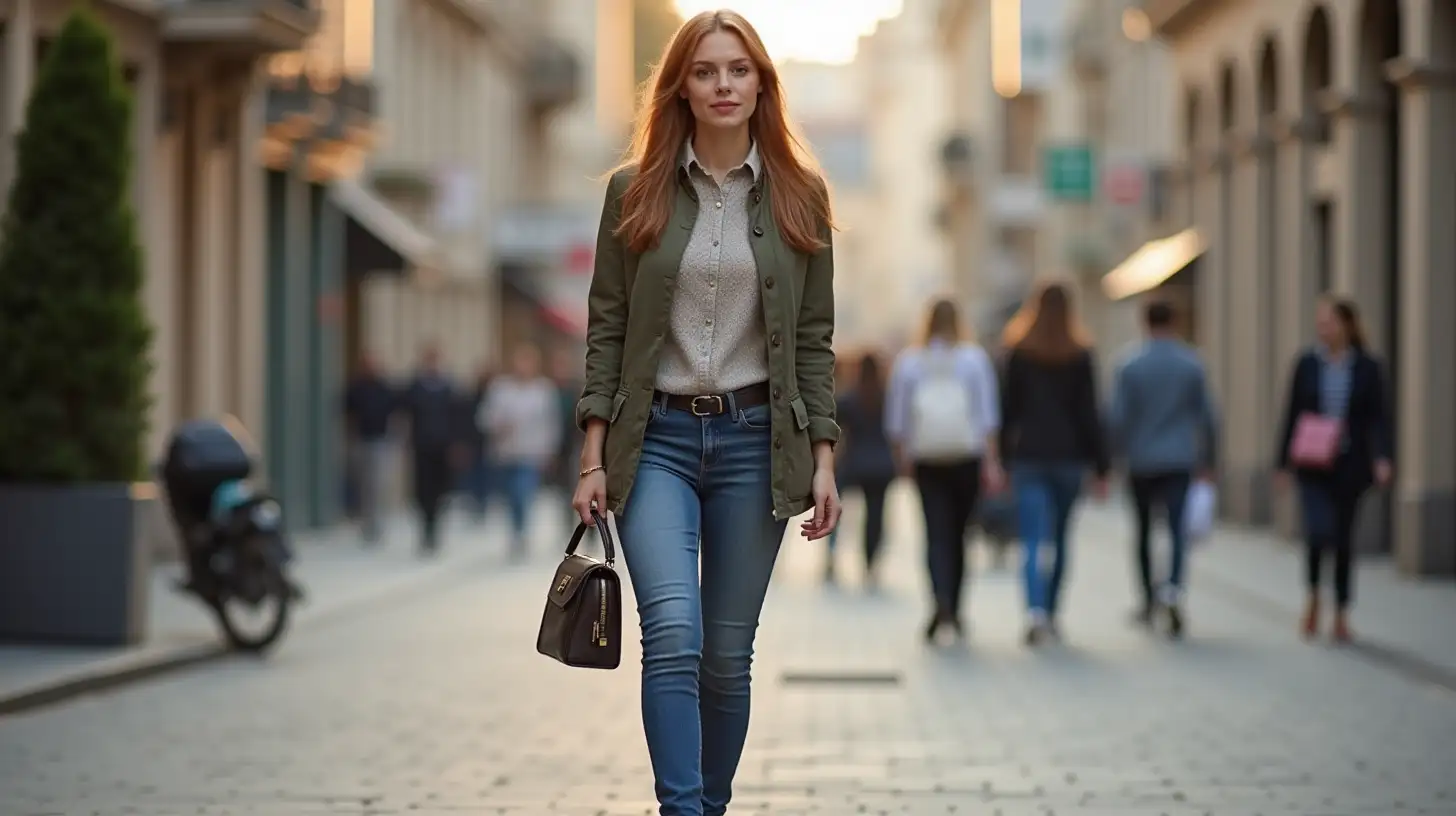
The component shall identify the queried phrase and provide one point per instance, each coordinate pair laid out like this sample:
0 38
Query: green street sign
1069 174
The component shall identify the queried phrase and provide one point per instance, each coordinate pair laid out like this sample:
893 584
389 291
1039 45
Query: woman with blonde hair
942 418
709 398
1051 433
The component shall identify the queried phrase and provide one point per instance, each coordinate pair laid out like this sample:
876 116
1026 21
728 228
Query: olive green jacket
631 297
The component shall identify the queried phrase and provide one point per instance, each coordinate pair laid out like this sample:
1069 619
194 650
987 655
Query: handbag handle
606 534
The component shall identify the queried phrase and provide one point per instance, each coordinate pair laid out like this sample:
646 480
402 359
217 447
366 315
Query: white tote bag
1199 511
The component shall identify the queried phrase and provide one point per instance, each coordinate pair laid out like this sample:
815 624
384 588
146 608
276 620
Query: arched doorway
1220 279
1318 73
1268 306
1377 275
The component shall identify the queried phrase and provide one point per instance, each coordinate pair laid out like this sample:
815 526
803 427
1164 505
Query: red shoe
1309 627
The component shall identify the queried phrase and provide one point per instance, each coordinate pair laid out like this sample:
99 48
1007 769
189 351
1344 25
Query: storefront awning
1153 263
377 238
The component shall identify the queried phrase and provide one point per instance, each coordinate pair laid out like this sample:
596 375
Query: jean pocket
757 418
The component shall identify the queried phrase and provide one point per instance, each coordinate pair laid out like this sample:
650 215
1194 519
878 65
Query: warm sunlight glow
1006 47
807 30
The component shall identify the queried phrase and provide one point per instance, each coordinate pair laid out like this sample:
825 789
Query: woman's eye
704 73
741 70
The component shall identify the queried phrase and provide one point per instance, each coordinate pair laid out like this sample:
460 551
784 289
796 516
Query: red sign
1123 184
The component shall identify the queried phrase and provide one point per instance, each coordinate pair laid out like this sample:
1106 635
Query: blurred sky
812 30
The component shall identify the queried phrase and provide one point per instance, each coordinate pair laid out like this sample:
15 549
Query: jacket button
758 231
757 198
778 443
769 283
774 339
778 394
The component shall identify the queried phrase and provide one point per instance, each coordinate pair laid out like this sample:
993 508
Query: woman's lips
724 107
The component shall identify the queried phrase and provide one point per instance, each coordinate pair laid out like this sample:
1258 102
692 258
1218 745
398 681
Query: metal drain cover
840 678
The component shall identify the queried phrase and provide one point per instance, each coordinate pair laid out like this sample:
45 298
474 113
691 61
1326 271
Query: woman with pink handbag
1336 444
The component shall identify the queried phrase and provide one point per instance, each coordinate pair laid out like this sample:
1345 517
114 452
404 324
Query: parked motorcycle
232 532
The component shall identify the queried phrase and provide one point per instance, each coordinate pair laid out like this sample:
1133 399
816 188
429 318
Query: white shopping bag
1199 511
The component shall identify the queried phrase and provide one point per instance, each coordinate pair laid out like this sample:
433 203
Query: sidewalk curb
151 663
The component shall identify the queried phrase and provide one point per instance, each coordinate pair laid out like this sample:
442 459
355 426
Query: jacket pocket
801 413
617 402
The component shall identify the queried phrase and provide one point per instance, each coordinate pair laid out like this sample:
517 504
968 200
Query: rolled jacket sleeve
606 314
815 343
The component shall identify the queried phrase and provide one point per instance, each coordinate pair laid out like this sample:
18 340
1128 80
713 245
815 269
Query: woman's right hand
591 494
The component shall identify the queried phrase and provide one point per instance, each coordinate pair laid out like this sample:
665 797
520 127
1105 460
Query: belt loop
660 399
732 405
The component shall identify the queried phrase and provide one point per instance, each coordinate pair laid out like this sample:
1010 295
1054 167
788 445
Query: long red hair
800 197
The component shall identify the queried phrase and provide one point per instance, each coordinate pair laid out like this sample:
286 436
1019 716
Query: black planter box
75 563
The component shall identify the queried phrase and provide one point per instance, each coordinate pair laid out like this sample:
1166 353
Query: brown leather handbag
582 624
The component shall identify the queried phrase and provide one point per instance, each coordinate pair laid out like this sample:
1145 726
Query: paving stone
439 705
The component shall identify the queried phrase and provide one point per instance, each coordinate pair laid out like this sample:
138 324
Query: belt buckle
693 406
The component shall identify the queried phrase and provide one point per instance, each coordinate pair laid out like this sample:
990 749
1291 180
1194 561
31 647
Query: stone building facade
1318 153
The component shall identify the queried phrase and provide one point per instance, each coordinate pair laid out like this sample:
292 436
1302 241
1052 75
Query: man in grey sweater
1165 428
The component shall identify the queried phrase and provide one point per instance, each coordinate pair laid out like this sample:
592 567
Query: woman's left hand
826 506
1383 472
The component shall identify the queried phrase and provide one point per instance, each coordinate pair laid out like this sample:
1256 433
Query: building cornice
1173 18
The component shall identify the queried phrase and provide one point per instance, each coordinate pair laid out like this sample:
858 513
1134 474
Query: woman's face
1327 326
723 83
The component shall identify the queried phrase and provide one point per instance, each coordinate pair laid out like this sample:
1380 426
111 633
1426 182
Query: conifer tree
74 336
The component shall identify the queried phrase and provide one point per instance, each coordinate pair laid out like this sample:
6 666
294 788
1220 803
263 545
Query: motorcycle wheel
271 592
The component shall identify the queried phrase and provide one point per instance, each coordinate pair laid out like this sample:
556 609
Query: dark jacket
1367 418
1049 412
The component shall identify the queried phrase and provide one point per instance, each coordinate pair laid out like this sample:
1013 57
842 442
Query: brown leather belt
714 404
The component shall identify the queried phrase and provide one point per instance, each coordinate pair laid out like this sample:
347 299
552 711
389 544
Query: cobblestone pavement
440 706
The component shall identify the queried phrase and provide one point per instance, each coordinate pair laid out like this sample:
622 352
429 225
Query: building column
1246 474
1361 259
209 286
252 244
19 76
1425 500
1298 286
1212 294
152 192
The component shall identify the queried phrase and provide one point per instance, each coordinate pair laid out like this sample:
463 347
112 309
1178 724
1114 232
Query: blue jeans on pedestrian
479 482
521 480
702 489
1045 496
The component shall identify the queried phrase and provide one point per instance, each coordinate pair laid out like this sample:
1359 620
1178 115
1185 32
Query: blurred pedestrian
1335 443
431 402
1051 435
710 358
842 374
369 403
1163 424
942 417
520 417
866 459
478 473
566 372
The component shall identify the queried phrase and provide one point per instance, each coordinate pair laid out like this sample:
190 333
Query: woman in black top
1339 380
865 459
1050 435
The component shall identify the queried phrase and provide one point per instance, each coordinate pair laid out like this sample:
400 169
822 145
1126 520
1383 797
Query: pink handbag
1316 441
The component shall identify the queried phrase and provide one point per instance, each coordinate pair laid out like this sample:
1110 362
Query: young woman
943 416
1337 386
867 462
1051 435
709 399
